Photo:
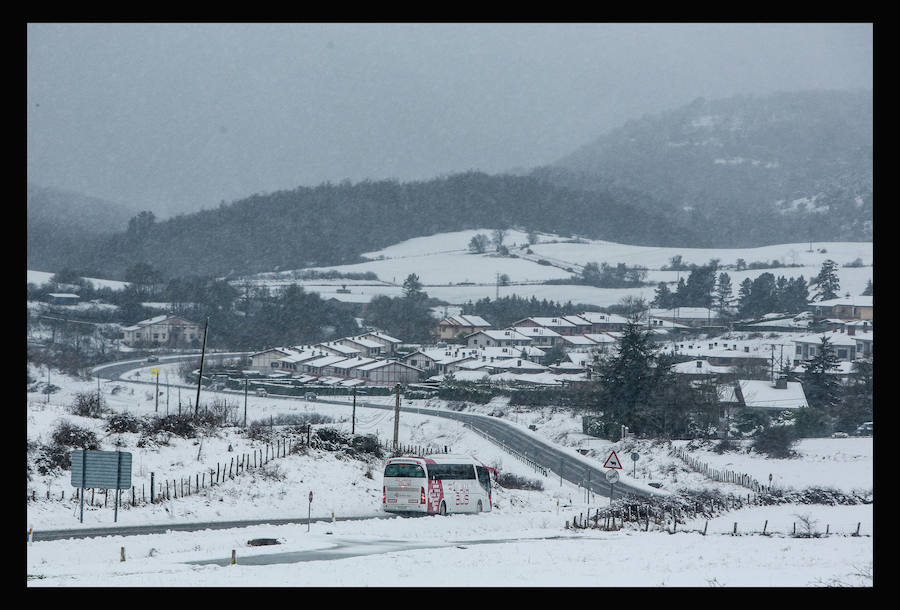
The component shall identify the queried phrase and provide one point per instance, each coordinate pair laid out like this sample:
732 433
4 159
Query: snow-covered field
533 547
443 262
38 278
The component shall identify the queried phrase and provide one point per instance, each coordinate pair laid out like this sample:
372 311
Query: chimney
781 383
699 364
851 331
519 363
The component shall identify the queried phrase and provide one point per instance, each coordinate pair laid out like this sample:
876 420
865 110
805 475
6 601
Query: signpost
613 461
101 469
634 458
309 513
612 476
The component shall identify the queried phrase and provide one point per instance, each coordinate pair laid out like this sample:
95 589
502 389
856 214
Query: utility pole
397 417
353 424
200 376
156 397
246 381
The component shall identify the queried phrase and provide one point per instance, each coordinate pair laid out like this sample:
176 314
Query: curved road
561 462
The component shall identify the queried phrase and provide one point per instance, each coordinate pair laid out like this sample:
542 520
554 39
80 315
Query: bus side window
484 478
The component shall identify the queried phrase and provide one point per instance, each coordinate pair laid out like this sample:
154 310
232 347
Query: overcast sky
177 117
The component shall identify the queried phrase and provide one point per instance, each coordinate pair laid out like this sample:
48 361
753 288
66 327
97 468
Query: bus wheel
443 508
480 506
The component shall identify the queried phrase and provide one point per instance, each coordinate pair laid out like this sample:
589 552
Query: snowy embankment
532 546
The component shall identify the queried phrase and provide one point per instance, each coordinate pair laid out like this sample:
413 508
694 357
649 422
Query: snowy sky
176 117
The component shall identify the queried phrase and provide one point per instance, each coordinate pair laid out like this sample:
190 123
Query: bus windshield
412 471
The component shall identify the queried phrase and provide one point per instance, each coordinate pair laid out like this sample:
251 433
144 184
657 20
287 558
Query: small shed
62 298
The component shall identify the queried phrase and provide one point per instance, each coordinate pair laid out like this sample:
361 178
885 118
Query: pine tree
744 294
827 281
820 384
869 289
723 292
663 298
627 377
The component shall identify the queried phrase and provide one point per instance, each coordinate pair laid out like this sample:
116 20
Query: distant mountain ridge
745 170
62 224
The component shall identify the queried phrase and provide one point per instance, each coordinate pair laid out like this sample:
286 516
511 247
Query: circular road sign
635 456
310 496
612 476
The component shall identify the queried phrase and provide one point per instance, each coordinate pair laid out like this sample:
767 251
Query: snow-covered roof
518 363
705 368
382 363
834 338
853 301
364 342
382 336
600 337
764 395
507 334
514 351
578 340
352 382
577 320
536 331
284 350
557 321
338 347
324 361
296 357
351 363
598 317
686 313
466 320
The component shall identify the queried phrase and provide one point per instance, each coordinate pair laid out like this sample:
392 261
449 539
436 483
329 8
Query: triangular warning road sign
612 461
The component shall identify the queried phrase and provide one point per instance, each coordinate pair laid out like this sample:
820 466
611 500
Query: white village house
162 330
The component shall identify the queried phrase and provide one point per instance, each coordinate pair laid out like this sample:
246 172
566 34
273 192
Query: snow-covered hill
452 273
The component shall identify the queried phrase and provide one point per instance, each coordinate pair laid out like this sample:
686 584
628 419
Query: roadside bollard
233 557
122 554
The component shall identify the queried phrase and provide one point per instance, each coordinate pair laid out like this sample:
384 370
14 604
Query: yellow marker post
156 372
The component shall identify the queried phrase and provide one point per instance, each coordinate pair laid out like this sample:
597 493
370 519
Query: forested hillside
746 170
333 224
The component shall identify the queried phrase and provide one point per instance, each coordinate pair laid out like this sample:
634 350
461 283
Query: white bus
437 484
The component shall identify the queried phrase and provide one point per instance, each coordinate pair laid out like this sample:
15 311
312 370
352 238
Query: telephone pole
353 424
200 376
397 417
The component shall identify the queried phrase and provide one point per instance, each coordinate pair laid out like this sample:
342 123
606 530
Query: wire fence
516 454
721 475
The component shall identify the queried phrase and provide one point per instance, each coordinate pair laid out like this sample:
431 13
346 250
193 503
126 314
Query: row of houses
367 358
454 327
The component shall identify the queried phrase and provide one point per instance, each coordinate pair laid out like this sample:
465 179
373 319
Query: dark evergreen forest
333 224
